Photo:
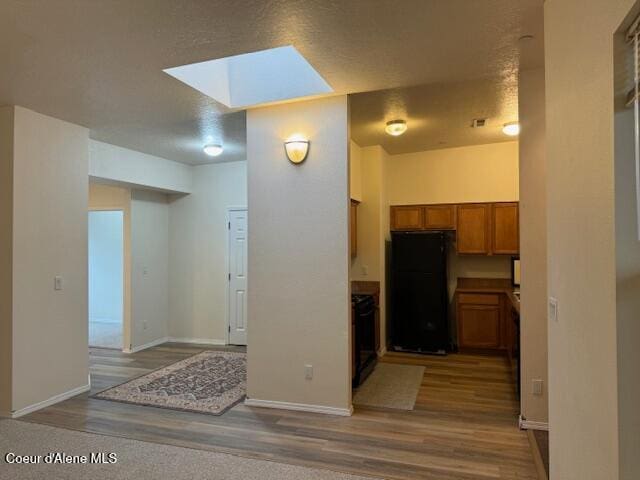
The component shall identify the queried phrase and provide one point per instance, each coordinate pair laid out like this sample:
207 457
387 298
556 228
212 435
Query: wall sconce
297 149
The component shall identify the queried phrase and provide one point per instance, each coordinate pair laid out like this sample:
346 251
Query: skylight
254 78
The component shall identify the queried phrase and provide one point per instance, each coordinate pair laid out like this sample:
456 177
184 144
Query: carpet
135 459
105 334
210 382
390 386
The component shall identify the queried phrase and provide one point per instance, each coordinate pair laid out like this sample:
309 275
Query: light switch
553 309
57 282
537 387
308 372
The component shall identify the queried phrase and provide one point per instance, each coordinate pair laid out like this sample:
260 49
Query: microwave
515 271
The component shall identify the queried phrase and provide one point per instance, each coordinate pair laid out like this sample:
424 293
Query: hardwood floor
464 426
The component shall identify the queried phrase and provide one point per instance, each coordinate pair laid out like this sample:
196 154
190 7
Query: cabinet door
407 218
505 229
354 228
440 217
473 229
479 326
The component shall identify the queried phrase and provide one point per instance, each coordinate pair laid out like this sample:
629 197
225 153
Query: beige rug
135 459
390 386
209 382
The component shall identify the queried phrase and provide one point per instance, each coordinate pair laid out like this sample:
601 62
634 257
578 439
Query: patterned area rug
209 382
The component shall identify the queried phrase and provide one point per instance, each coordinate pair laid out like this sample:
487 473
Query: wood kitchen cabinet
407 217
439 217
473 229
353 230
481 228
505 238
480 320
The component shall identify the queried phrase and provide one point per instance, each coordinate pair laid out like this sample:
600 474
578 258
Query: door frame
227 260
126 272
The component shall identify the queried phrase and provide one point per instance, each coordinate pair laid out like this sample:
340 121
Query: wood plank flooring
464 426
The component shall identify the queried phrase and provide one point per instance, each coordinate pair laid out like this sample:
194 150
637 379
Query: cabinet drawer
479 298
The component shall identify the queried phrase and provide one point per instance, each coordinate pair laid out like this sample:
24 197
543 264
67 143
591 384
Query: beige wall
355 171
533 245
198 251
298 304
583 352
149 267
480 173
6 256
50 355
111 197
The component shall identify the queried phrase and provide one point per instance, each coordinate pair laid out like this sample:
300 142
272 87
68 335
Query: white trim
531 425
382 352
139 348
51 401
299 407
227 261
202 341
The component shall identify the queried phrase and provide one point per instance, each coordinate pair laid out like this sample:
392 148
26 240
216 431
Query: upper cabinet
473 229
440 217
481 228
505 231
407 218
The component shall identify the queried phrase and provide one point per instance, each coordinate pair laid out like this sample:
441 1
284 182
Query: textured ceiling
99 63
438 116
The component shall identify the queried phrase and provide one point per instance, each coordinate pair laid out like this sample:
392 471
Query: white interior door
238 277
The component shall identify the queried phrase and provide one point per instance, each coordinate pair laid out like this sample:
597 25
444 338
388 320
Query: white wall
150 267
198 249
106 265
298 293
50 354
533 245
6 256
583 344
137 170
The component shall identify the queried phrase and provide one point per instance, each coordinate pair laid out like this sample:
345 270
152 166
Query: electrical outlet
536 386
365 270
57 282
308 372
553 309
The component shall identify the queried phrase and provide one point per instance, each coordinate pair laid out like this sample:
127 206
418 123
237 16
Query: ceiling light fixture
297 149
396 127
512 129
213 150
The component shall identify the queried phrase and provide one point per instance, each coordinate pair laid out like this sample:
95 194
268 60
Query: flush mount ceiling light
297 149
213 150
396 127
512 129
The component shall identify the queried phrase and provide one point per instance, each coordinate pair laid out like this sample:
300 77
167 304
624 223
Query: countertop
489 285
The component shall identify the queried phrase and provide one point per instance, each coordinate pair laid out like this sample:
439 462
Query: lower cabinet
480 319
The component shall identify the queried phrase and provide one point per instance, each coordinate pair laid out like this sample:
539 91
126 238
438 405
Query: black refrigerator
419 297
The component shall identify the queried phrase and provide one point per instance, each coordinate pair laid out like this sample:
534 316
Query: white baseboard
51 401
201 341
531 425
299 407
139 348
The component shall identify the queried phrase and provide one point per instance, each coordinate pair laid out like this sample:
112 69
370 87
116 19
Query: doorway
237 290
106 278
